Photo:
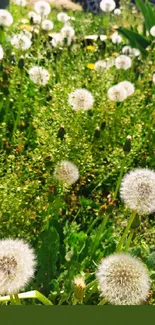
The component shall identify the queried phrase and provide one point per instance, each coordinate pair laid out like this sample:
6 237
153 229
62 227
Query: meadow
77 146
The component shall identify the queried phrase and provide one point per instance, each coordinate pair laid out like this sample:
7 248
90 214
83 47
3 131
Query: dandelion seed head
17 265
107 5
63 17
1 53
42 8
21 42
123 62
47 25
152 31
36 18
81 99
138 190
117 93
57 39
5 18
116 38
66 172
117 12
21 3
39 75
123 279
129 87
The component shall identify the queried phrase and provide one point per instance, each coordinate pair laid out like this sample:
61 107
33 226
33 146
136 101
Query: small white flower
17 265
66 172
129 87
42 8
116 38
135 52
138 190
57 39
117 93
81 99
123 279
21 3
5 18
21 42
63 17
39 75
123 62
117 11
1 53
152 31
103 37
47 25
26 33
107 5
153 78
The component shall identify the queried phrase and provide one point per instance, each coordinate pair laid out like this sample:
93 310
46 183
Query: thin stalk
16 298
103 302
99 233
20 104
28 295
129 240
120 177
121 242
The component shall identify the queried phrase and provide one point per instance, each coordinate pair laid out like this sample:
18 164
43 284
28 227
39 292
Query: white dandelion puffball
107 5
117 93
129 87
68 32
5 18
127 50
42 8
123 279
123 62
21 3
17 265
92 37
57 39
138 190
21 42
81 99
36 18
47 25
152 31
135 52
117 12
66 172
153 78
39 75
100 66
103 38
116 38
26 33
1 53
63 17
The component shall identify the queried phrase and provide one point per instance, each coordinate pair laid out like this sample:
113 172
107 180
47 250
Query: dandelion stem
99 233
27 295
120 177
129 240
132 217
103 302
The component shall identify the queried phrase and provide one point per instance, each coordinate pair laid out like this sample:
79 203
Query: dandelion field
77 167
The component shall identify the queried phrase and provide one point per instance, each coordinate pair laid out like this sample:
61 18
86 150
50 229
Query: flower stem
103 302
27 295
120 177
132 217
129 240
99 233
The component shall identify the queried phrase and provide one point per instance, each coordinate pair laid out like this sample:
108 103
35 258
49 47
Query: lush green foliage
66 226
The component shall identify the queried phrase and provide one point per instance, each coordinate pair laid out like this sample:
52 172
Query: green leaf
48 255
136 40
151 261
148 13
